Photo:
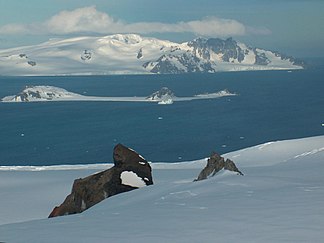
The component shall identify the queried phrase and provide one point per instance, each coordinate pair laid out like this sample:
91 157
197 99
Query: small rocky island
164 96
41 93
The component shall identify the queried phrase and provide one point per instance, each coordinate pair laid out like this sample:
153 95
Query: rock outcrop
130 171
212 55
40 93
216 163
86 55
162 94
140 54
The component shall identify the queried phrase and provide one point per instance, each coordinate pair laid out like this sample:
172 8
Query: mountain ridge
134 54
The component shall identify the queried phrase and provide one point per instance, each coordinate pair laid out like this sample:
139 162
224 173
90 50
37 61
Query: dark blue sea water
271 105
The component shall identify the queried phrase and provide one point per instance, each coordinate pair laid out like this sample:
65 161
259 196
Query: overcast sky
293 27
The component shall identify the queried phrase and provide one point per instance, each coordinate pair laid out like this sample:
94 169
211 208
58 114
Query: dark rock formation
228 48
140 54
261 58
177 63
291 59
164 65
230 165
31 63
216 163
86 55
25 95
200 58
91 190
160 94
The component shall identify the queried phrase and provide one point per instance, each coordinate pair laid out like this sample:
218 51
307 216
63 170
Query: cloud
12 29
90 20
258 31
215 26
86 19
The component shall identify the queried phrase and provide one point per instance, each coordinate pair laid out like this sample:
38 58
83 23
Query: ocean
270 106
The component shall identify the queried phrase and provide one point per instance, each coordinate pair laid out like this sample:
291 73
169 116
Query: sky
293 27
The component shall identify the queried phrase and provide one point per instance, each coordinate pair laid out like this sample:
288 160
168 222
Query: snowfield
279 199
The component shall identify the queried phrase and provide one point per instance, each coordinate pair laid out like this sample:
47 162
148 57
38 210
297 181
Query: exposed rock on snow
131 171
31 63
216 163
86 55
163 96
214 54
221 93
40 93
140 54
179 63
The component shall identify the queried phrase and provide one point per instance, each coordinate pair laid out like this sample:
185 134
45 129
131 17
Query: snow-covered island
164 96
42 93
279 199
134 54
51 93
221 93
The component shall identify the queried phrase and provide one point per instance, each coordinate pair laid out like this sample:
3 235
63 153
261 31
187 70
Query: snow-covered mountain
132 54
279 199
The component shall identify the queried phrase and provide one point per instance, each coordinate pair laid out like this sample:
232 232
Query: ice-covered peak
127 38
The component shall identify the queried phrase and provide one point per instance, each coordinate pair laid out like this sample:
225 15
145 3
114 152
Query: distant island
134 54
164 96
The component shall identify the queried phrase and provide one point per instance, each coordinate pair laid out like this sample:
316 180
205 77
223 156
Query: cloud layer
90 20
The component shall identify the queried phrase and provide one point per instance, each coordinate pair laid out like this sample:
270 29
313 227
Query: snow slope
279 199
133 54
